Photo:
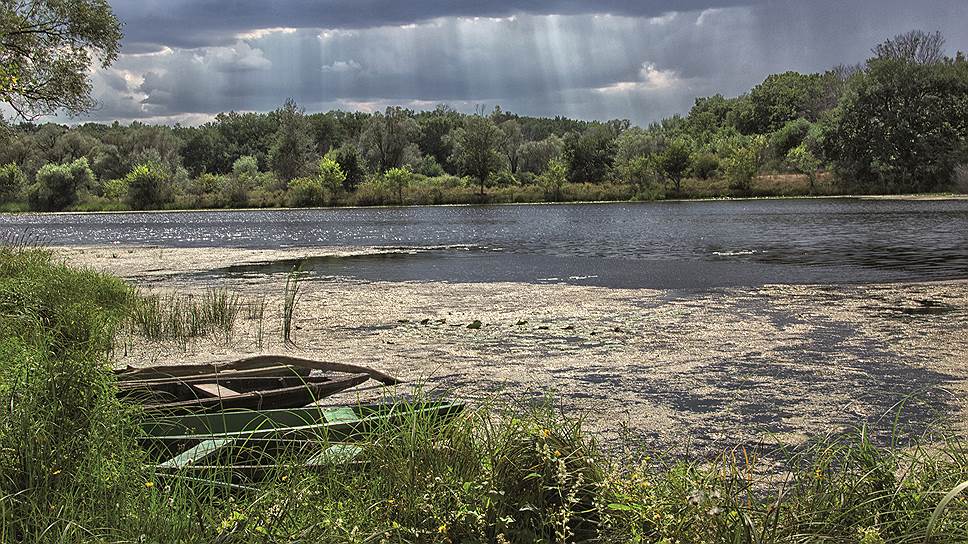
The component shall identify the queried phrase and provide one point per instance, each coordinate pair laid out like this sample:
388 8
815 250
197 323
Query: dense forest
897 123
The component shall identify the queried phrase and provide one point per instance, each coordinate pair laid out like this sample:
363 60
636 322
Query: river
653 245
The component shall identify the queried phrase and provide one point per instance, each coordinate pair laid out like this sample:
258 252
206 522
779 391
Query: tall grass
289 301
67 450
181 317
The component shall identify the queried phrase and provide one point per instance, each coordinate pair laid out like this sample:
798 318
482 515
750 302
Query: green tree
351 163
12 181
149 187
553 179
435 126
801 159
782 98
590 154
643 172
902 126
245 177
536 155
476 147
511 143
674 162
387 136
399 179
47 48
293 147
331 177
56 186
705 165
742 162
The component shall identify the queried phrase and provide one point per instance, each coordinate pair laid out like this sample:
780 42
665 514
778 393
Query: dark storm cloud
640 61
195 23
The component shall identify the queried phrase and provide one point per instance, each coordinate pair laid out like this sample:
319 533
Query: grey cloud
587 66
197 23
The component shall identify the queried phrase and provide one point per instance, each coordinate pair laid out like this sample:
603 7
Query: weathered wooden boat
259 365
248 444
261 382
211 393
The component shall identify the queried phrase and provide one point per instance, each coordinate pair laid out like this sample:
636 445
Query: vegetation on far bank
896 124
72 470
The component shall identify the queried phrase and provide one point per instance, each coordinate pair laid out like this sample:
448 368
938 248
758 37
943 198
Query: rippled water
666 244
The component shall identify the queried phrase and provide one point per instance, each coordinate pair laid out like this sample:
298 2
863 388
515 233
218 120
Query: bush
56 186
305 193
149 187
705 165
12 181
331 178
399 179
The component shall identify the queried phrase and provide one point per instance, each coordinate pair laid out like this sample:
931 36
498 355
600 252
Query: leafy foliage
149 187
47 48
476 148
57 185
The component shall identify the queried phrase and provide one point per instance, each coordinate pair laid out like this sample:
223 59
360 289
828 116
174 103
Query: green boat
251 443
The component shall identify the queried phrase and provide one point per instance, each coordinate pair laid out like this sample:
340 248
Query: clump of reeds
181 317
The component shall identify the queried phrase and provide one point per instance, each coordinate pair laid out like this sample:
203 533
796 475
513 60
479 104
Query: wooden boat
261 382
212 393
250 443
267 365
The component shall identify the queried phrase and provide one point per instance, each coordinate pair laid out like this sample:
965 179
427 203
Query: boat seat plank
197 453
214 390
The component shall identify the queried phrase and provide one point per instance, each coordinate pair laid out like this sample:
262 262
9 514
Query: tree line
897 123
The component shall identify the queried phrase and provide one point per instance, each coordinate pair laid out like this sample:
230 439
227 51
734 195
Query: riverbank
694 370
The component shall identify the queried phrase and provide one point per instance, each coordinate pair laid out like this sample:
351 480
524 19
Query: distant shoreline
912 197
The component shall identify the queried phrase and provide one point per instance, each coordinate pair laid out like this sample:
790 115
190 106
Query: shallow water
662 245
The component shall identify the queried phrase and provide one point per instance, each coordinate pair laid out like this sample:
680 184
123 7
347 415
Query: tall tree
511 144
902 126
293 147
387 136
675 161
476 147
47 48
590 154
915 46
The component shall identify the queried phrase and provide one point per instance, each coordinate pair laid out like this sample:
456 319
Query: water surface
664 244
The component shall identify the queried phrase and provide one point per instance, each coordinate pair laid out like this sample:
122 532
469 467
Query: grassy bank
71 469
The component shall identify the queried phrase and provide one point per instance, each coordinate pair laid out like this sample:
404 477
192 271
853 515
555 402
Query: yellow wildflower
442 529
149 484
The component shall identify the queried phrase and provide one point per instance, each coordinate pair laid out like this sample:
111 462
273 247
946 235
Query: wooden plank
197 453
214 390
170 372
287 397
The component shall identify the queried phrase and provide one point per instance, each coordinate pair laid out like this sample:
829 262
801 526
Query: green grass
214 313
71 469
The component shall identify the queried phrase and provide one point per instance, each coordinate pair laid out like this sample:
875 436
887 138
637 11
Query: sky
187 60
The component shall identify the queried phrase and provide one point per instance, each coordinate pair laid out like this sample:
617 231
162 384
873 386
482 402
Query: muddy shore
689 369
